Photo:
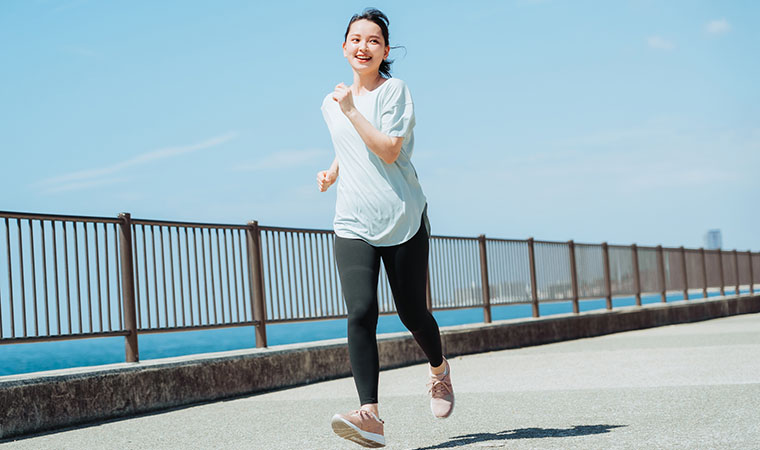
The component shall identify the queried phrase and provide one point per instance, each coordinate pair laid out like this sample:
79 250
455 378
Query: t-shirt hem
352 235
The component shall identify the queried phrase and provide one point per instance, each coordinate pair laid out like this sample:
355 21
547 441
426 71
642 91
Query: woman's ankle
437 370
371 407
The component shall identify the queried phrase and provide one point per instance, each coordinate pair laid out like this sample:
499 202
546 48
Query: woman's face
365 47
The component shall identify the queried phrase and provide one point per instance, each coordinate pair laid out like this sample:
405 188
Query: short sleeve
397 118
325 112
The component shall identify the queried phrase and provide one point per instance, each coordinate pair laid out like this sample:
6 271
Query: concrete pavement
682 386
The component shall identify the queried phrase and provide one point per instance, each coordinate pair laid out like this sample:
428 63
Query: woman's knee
415 320
363 313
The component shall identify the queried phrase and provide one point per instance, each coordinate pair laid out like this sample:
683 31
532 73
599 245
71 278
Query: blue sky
630 121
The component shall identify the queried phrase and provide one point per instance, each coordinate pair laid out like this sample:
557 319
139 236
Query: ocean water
35 357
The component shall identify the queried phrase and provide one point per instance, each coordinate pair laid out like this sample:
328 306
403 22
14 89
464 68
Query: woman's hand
326 178
344 97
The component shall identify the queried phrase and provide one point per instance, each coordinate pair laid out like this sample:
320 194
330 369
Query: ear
344 49
387 51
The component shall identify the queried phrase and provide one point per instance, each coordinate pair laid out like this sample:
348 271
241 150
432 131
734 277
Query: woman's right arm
326 178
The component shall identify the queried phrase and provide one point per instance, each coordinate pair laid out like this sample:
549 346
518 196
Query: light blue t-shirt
377 202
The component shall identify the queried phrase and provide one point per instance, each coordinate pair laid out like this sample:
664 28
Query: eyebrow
359 35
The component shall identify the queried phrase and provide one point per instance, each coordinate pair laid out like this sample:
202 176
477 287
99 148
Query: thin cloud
718 26
94 177
77 185
285 160
660 43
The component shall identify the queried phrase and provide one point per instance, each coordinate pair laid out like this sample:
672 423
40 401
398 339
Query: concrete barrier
43 401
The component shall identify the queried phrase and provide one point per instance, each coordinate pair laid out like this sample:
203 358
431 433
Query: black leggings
406 266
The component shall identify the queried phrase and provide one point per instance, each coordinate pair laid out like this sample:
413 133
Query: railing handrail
170 223
57 217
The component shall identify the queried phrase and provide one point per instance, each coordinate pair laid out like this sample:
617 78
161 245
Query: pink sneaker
441 393
361 426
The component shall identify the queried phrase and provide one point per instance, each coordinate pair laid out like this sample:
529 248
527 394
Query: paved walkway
683 386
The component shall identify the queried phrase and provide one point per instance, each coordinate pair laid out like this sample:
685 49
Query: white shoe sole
451 411
347 430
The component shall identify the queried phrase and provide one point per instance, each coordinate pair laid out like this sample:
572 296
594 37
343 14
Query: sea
43 356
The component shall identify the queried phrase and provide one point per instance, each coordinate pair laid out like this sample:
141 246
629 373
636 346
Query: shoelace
362 413
439 387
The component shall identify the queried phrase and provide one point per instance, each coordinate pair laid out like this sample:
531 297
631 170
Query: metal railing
189 276
61 278
69 277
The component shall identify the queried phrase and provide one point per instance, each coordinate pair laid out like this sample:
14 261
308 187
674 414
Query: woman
380 215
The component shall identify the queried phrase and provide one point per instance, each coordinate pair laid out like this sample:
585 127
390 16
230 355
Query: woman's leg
359 266
406 265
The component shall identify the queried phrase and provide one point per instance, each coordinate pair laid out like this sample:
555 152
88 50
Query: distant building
713 240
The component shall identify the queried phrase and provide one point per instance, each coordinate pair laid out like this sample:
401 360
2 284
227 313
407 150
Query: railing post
255 277
607 283
636 274
722 278
736 269
484 279
661 270
704 272
428 291
128 287
533 284
685 277
751 274
573 276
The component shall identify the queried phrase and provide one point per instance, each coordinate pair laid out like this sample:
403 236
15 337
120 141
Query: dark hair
376 16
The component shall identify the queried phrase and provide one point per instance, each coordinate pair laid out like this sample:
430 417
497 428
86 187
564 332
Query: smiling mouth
363 58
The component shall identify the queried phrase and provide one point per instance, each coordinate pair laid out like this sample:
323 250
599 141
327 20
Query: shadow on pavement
524 433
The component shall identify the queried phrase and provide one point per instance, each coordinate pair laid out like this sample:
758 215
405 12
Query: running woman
380 215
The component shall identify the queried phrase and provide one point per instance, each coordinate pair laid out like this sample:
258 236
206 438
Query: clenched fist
325 179
344 97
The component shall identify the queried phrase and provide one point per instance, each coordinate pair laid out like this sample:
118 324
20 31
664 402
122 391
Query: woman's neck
368 82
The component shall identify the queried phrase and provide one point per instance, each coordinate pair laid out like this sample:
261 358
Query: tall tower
713 239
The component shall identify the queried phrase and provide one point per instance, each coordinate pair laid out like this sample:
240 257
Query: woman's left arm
386 147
